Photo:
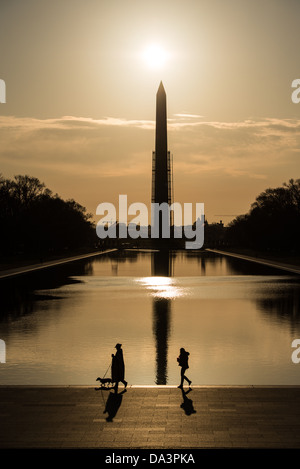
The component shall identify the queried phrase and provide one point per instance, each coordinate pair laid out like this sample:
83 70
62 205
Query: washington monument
161 159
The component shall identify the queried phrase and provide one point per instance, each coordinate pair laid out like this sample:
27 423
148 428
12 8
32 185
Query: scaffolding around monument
153 177
170 181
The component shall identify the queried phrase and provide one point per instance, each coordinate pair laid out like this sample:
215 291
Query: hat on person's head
118 345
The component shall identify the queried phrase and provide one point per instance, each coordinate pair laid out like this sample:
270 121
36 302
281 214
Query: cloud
114 147
186 115
68 122
224 164
267 125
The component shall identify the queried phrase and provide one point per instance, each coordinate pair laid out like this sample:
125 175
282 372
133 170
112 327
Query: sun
155 56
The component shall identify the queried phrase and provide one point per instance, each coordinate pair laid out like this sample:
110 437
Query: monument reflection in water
161 271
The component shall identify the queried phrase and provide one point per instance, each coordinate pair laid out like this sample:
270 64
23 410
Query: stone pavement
150 417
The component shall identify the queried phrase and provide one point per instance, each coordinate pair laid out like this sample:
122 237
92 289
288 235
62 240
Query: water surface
237 319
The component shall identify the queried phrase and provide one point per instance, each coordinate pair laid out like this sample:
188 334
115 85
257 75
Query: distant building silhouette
162 164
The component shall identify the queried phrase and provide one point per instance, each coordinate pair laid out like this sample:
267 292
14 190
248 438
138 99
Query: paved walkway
277 265
13 272
150 417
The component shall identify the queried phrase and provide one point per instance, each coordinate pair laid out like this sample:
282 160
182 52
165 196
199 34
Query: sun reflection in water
162 287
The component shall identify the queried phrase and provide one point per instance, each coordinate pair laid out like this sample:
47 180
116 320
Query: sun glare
161 287
155 56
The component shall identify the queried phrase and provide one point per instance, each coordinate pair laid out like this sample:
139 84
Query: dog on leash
104 381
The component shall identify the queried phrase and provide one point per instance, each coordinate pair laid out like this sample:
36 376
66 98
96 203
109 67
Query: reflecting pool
237 319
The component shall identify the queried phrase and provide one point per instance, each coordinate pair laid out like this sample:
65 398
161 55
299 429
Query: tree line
272 223
36 222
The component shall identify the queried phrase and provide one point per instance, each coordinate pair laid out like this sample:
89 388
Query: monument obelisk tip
161 87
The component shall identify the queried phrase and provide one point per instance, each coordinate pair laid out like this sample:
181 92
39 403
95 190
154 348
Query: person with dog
183 363
118 367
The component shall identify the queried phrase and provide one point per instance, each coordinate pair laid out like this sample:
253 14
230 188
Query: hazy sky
80 97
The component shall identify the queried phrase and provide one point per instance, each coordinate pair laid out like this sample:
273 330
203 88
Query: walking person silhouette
118 367
183 363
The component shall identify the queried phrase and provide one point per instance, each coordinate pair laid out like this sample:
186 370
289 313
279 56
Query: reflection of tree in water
242 267
281 299
19 294
122 256
282 303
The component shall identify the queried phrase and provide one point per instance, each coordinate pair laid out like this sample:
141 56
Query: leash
107 370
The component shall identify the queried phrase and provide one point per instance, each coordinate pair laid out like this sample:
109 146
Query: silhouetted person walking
183 363
118 367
